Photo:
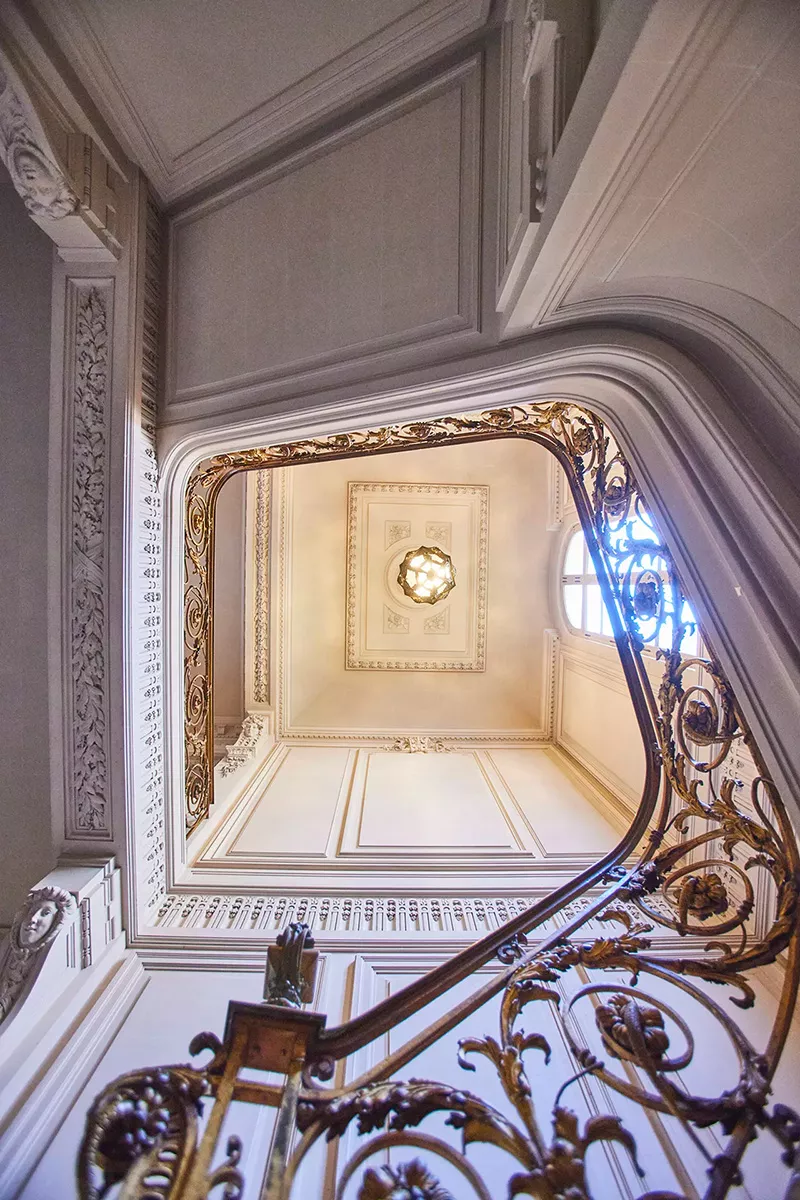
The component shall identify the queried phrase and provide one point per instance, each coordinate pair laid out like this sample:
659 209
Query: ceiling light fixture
427 574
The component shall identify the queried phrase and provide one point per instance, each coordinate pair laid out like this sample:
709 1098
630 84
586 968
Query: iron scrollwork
710 844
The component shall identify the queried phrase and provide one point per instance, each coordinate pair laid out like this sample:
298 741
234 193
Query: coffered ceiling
194 88
386 629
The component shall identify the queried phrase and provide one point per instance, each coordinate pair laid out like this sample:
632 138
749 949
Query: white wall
26 851
175 1005
229 603
595 718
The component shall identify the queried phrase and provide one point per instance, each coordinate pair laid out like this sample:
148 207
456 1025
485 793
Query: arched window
585 609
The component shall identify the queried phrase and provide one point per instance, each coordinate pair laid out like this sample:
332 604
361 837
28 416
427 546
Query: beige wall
319 694
26 851
229 603
595 718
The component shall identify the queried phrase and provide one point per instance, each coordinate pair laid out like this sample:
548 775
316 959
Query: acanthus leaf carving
89 802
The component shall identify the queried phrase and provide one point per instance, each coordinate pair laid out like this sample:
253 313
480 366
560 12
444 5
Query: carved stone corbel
35 927
65 181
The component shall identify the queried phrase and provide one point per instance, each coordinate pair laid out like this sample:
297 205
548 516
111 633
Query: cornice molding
429 28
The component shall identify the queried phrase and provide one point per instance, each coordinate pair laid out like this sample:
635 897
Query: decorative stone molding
396 531
265 914
244 748
366 587
404 40
66 183
147 584
394 622
261 916
79 899
438 622
35 927
66 985
534 13
439 532
88 812
36 175
418 745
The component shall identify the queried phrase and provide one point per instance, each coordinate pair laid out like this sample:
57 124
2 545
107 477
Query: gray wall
26 254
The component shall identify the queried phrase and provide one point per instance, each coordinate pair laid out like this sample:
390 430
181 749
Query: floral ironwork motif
706 843
409 1181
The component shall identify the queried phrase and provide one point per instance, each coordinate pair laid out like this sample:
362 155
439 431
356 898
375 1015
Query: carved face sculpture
40 182
38 923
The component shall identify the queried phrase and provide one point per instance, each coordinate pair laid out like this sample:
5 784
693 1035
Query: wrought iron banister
705 851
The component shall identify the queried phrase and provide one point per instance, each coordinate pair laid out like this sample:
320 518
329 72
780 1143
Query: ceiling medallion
427 574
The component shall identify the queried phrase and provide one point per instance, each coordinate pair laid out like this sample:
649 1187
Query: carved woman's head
38 921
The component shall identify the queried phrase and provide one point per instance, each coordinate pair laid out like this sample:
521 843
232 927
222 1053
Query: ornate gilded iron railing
707 847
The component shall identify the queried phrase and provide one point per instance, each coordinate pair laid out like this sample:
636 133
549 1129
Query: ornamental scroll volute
65 181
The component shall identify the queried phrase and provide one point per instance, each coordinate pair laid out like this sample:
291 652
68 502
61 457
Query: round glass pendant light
427 574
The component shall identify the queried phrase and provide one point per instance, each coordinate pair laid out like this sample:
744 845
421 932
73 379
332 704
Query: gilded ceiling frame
572 433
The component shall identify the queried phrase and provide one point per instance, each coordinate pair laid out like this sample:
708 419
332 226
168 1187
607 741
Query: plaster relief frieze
88 812
147 589
396 531
417 744
266 915
437 622
394 622
440 533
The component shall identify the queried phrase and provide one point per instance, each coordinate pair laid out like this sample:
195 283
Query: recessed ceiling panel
386 629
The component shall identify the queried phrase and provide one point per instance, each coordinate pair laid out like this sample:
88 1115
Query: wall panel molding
385 313
428 28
